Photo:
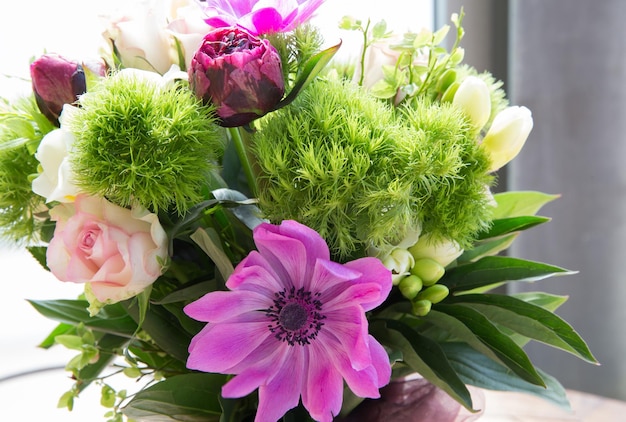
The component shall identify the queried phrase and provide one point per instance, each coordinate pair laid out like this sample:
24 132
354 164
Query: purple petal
323 390
346 330
256 274
373 272
222 306
225 345
350 294
380 361
266 21
283 391
329 274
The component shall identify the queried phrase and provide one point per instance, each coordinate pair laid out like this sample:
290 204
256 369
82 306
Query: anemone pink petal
256 274
265 21
222 306
283 391
259 368
345 331
373 272
349 294
287 256
226 346
380 361
329 274
315 245
323 389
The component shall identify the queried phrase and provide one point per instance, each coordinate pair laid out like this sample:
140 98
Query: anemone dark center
296 316
293 316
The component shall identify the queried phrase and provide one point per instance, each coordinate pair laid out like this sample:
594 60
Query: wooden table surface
517 407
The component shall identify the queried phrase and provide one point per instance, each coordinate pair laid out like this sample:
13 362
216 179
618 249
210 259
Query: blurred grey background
565 60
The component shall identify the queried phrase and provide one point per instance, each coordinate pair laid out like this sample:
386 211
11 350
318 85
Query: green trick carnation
364 174
140 139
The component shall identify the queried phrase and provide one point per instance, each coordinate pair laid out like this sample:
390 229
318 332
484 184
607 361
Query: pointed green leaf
520 203
111 319
508 225
311 69
506 349
485 248
189 293
62 328
209 242
545 300
425 357
188 397
39 253
495 269
528 320
476 369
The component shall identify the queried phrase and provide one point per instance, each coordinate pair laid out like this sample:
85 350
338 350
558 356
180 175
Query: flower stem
243 158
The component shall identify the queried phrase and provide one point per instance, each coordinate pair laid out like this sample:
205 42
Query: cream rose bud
55 182
443 251
507 135
116 251
474 99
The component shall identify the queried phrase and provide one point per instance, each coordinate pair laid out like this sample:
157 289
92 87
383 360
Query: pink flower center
232 42
88 239
295 316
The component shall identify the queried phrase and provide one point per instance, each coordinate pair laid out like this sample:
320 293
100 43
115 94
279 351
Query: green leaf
111 319
485 248
107 345
188 293
39 253
311 69
528 320
476 369
520 203
506 349
508 225
425 357
60 329
143 300
188 397
70 341
496 269
164 329
545 300
209 242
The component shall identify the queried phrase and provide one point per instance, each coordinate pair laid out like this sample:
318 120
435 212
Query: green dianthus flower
140 141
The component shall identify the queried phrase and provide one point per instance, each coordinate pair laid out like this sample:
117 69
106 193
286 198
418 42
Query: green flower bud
435 293
429 270
422 307
445 80
410 286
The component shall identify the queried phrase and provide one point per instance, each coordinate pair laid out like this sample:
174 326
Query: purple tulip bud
239 73
56 81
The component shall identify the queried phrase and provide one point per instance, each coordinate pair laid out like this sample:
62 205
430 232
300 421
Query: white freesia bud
474 99
55 181
441 250
507 135
399 262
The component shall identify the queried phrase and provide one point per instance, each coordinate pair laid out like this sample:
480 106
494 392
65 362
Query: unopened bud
410 286
507 135
429 270
435 293
443 251
421 307
474 99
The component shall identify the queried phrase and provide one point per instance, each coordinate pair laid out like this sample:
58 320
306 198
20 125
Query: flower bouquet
267 233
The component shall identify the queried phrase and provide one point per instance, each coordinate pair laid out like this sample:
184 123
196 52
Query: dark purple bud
56 81
239 73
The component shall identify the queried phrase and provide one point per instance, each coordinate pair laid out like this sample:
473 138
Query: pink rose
118 252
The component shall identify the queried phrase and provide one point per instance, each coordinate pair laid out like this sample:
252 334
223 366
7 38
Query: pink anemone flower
293 325
259 16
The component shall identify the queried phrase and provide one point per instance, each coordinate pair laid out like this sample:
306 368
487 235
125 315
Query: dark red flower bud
239 73
56 81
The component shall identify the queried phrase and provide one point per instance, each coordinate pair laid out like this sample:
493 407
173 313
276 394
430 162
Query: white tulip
507 135
474 99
